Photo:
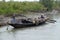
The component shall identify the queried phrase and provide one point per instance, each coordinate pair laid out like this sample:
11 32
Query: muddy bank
5 18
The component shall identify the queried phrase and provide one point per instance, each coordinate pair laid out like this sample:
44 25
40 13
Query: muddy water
49 31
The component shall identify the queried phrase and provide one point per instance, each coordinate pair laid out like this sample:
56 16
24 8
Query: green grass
20 7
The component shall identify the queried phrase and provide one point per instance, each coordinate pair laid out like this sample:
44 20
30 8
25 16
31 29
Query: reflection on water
50 31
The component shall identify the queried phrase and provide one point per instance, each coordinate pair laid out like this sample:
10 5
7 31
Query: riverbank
5 18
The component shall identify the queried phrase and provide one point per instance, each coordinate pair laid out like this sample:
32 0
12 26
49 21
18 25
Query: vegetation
24 7
20 7
56 5
47 3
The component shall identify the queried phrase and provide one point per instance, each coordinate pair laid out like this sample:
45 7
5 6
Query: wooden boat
26 23
29 22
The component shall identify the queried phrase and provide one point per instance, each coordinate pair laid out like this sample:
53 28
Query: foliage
19 7
56 5
47 3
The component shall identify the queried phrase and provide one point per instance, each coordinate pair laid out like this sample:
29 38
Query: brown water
49 31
